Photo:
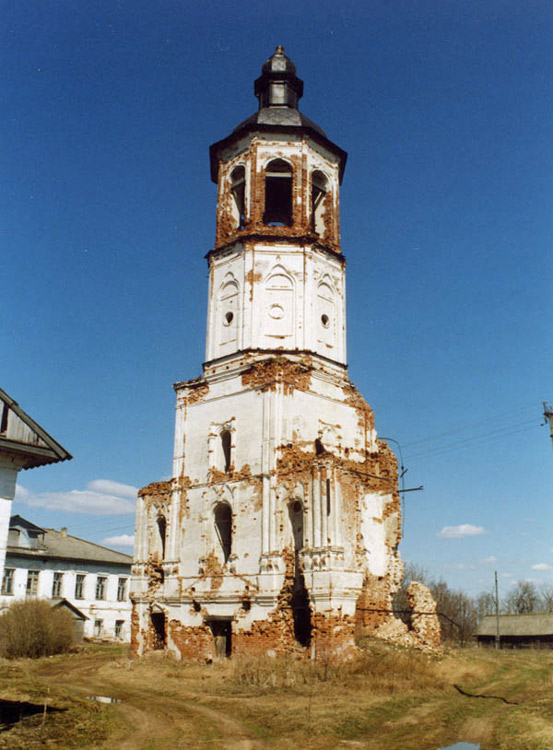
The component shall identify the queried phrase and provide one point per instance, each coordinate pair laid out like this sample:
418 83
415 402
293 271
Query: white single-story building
51 564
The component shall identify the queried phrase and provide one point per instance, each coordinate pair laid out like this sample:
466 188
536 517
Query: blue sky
108 210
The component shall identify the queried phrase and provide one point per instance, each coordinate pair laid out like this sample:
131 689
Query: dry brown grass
386 698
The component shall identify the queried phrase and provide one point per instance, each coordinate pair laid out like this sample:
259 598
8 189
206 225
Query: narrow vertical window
223 527
319 188
4 418
119 628
162 530
79 586
121 589
101 585
238 190
56 584
98 627
278 194
7 581
32 582
328 497
226 446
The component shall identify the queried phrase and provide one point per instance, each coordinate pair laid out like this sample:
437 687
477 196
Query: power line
481 422
505 432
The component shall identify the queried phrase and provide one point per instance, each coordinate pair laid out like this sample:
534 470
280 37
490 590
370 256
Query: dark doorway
158 626
301 611
222 638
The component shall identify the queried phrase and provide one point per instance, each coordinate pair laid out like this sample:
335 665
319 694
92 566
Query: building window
223 527
278 194
98 627
121 589
238 190
56 584
4 418
79 586
101 584
119 628
7 582
32 582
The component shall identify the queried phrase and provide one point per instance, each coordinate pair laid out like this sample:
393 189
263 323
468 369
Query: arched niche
325 314
278 309
222 519
228 310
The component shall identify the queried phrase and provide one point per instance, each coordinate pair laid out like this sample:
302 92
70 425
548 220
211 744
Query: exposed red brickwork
424 620
194 643
267 373
293 152
373 605
156 490
135 630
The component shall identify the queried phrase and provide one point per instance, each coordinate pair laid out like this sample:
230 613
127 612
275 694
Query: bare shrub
271 672
33 628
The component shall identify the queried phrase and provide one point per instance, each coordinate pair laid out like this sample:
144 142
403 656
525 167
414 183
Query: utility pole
548 415
497 636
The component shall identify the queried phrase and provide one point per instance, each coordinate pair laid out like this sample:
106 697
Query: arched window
295 513
162 530
226 446
278 193
319 188
223 527
238 190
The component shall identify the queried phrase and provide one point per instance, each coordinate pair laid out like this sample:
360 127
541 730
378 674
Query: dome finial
278 85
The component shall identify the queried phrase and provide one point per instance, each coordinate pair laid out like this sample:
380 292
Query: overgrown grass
381 669
387 697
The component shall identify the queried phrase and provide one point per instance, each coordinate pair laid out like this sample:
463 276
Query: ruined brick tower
281 525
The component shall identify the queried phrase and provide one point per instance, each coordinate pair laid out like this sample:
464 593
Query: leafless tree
457 611
546 596
522 599
485 604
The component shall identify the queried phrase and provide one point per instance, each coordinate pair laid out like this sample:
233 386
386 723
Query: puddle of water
13 711
103 699
461 746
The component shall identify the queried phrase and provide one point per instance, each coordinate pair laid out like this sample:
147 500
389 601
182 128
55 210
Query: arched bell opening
319 189
238 191
278 193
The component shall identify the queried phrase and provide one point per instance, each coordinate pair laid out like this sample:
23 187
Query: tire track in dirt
152 716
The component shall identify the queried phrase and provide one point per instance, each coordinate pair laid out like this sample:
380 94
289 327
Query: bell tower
276 272
281 524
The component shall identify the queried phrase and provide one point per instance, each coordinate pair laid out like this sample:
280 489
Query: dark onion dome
278 90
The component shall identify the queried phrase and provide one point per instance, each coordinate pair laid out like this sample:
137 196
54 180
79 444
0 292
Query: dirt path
151 717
